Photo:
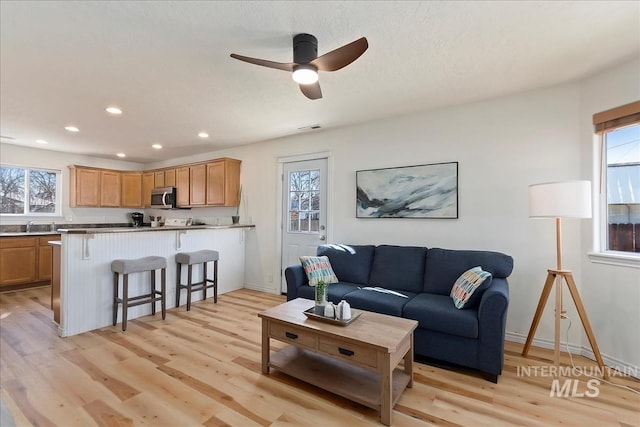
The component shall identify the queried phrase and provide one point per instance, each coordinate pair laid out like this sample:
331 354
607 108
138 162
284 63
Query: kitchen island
86 280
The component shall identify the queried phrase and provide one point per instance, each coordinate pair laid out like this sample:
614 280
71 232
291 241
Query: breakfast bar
86 280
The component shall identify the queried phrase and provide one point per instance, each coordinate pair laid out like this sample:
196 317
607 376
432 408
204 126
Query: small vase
321 298
235 219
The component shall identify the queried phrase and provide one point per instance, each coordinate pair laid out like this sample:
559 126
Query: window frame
605 122
58 202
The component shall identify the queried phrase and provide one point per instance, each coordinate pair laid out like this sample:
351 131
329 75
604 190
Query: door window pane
303 203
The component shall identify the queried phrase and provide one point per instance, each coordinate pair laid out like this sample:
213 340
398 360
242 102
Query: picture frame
420 191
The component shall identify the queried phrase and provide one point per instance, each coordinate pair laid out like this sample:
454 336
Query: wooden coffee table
358 361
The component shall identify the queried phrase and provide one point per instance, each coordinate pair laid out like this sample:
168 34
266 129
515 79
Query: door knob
322 237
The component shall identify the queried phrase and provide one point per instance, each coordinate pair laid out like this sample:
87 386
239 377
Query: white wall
502 146
17 155
611 294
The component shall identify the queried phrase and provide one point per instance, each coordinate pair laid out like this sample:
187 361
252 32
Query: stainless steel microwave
164 198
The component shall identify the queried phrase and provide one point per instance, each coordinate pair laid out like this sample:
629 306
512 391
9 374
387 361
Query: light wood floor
203 368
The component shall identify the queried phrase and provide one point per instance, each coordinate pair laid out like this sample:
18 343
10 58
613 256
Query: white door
304 210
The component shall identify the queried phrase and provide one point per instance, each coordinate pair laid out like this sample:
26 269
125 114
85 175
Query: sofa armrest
492 318
295 277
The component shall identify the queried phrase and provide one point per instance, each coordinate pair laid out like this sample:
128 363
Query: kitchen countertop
139 229
31 233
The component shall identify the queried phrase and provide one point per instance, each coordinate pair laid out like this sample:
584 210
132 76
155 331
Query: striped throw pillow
467 290
318 268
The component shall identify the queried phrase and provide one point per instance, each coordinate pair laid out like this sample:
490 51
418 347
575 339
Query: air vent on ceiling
310 127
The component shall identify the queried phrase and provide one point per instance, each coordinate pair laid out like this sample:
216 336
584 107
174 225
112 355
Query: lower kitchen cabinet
25 261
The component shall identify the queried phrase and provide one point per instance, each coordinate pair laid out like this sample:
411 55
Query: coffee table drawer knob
345 351
291 335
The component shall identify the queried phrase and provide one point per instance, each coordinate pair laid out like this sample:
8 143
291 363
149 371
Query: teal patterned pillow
318 268
467 290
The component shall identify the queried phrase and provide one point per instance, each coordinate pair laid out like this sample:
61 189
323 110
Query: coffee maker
137 219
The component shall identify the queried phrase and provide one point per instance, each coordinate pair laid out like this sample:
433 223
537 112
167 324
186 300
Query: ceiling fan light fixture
305 74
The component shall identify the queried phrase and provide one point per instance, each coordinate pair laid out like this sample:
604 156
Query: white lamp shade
569 199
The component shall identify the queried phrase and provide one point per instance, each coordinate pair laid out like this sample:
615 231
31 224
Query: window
29 191
620 179
304 201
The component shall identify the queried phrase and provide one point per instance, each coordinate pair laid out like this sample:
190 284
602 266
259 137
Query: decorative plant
239 200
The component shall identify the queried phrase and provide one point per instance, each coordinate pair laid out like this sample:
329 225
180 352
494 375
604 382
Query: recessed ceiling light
203 135
157 146
41 141
72 129
113 110
121 155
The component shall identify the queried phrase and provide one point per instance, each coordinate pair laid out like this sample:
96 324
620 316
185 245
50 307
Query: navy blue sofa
471 337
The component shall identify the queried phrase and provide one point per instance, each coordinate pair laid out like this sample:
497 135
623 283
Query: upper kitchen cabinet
84 187
110 188
223 182
182 186
170 178
131 189
158 179
197 185
147 186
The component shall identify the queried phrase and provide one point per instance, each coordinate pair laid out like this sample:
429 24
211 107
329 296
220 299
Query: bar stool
197 257
128 266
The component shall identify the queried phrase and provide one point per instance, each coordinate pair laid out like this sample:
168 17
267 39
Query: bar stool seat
125 267
189 259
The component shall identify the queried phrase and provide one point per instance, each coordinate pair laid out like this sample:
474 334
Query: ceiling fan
306 61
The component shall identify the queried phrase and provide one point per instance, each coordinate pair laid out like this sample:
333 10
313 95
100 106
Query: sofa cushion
468 288
318 268
337 291
437 313
399 267
379 302
444 266
351 263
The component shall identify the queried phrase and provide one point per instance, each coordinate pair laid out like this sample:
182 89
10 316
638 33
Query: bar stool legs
124 268
191 258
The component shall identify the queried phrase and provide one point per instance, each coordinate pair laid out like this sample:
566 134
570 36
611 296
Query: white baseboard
611 362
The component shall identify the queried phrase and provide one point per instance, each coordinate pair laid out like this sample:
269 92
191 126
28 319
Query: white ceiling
167 65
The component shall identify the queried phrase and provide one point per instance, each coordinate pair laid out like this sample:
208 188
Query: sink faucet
29 225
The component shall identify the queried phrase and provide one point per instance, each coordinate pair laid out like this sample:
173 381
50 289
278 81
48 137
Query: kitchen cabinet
223 182
84 187
170 178
25 261
131 190
182 186
147 187
212 183
158 179
197 185
45 257
110 188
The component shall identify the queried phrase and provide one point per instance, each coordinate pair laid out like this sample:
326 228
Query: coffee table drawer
292 335
348 351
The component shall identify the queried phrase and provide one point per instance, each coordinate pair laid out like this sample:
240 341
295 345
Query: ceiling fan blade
270 64
342 56
312 91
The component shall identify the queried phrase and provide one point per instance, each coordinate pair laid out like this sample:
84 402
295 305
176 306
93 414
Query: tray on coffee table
311 315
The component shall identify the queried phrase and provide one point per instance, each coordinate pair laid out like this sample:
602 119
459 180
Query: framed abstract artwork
422 191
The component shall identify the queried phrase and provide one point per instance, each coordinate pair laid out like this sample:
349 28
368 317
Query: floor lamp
570 199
